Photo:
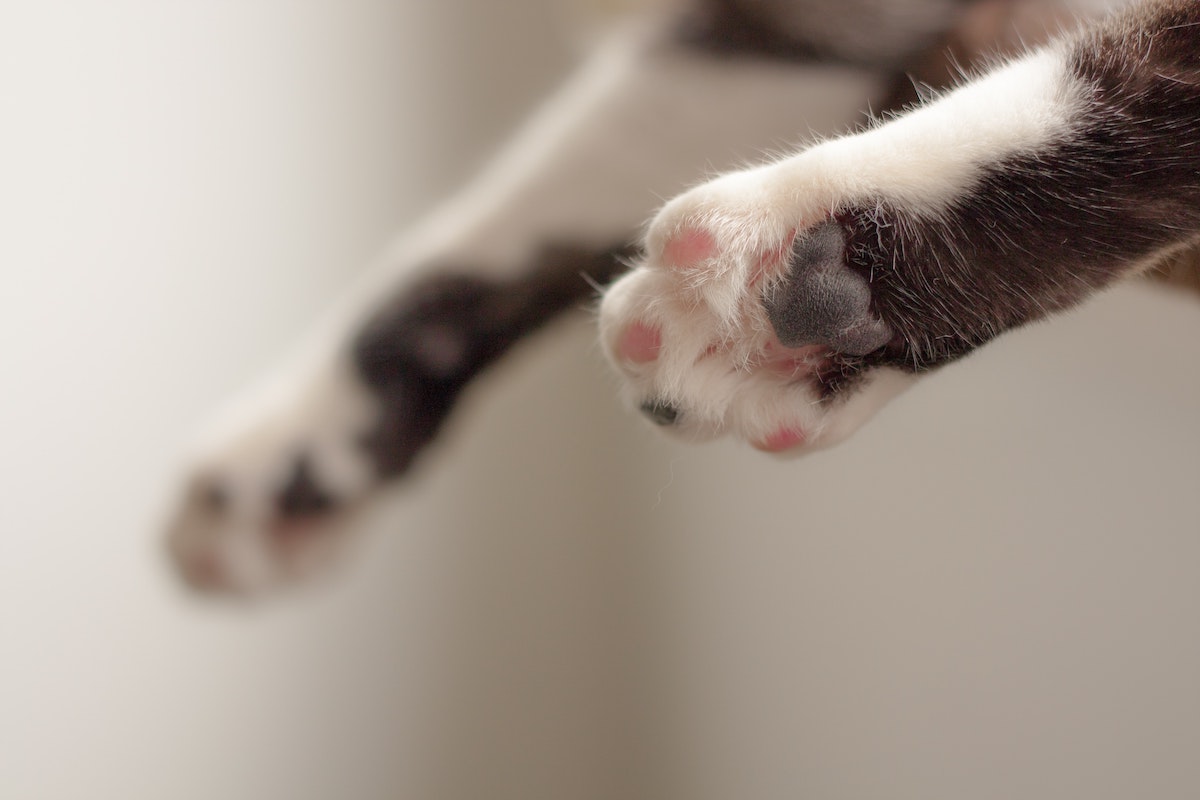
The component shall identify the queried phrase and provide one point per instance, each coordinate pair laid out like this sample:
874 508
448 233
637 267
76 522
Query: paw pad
640 343
688 248
782 440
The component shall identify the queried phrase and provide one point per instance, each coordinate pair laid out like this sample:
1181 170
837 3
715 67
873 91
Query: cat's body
784 303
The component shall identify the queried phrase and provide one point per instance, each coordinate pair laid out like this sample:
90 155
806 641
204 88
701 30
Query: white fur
927 159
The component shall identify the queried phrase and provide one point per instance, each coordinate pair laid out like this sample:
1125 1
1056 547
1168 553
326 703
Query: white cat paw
746 319
269 493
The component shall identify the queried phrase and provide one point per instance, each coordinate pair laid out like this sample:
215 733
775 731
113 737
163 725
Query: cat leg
272 489
785 304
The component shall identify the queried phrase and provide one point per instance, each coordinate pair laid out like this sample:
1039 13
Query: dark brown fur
484 317
1043 232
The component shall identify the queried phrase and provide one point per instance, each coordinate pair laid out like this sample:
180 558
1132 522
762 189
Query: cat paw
269 492
785 304
747 318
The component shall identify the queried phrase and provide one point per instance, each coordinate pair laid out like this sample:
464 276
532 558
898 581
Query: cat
783 303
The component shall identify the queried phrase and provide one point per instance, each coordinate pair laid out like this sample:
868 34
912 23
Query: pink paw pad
639 343
783 439
688 248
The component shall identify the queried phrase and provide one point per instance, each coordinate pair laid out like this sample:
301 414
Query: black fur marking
660 412
302 496
420 350
728 28
839 378
822 301
1044 231
804 32
213 496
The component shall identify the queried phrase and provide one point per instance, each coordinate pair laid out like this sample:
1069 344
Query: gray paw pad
823 301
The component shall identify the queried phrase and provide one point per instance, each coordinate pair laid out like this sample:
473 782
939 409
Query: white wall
991 592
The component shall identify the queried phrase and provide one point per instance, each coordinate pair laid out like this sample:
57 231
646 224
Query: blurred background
993 591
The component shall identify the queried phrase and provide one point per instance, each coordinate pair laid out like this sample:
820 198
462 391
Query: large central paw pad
744 329
822 301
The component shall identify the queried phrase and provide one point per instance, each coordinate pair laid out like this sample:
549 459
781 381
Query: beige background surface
992 592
